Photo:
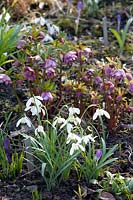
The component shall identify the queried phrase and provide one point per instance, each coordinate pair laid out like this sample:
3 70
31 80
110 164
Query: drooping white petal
73 111
24 120
39 129
106 114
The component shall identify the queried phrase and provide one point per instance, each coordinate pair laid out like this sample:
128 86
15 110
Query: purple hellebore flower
16 63
47 96
98 80
119 74
130 87
129 76
29 73
90 72
21 43
87 51
98 154
108 71
70 57
49 63
50 72
79 5
5 79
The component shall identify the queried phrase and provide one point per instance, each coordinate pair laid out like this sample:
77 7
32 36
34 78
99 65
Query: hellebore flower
98 154
87 51
49 63
108 71
29 73
7 149
99 113
47 96
5 79
129 76
70 57
119 74
50 72
21 44
130 87
98 80
90 72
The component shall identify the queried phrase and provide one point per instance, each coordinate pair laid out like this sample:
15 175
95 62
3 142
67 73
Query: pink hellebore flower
70 57
50 72
87 51
130 87
21 44
49 63
29 73
47 96
5 79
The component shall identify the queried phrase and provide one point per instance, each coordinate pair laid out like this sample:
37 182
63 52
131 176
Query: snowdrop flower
52 29
88 138
72 136
39 129
40 20
48 38
75 147
73 111
24 120
35 105
59 120
101 112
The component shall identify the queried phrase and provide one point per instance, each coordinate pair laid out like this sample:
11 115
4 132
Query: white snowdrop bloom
59 120
73 136
39 129
101 112
75 147
24 120
69 128
88 138
7 17
35 105
73 111
48 38
40 20
52 29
